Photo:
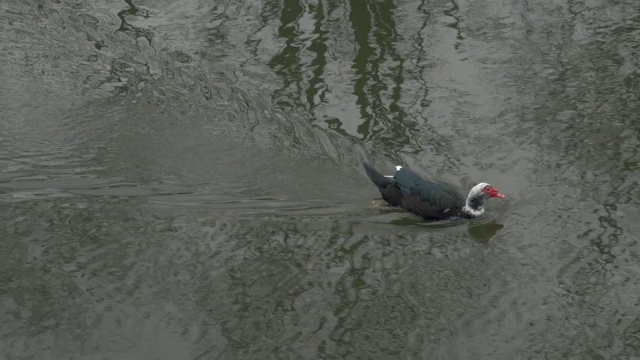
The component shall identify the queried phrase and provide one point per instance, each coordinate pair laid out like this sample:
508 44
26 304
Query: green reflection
379 73
319 47
287 63
378 67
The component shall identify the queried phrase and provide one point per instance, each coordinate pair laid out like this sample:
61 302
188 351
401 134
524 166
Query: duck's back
427 198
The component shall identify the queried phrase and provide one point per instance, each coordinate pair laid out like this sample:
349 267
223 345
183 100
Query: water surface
182 180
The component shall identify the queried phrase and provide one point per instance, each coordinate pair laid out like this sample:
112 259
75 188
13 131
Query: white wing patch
398 167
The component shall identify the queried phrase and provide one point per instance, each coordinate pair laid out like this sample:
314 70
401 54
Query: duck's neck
473 205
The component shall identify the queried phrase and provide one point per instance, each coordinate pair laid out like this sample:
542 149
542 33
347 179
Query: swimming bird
432 200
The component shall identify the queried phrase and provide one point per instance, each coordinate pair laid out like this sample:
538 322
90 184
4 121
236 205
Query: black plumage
432 200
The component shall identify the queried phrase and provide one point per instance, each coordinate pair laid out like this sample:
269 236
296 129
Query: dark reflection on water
182 180
484 232
481 230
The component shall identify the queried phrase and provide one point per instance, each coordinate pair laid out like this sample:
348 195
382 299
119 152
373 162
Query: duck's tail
380 180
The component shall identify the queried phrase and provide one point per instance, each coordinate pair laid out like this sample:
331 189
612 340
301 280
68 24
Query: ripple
183 58
183 180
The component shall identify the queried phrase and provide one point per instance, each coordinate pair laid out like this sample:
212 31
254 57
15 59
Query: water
182 180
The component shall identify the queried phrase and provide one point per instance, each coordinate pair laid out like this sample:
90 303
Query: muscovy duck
430 199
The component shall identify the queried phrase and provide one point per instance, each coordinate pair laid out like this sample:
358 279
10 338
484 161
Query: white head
477 195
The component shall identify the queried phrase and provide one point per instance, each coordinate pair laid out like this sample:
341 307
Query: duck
432 200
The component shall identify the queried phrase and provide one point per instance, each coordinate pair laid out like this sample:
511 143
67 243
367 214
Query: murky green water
182 180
